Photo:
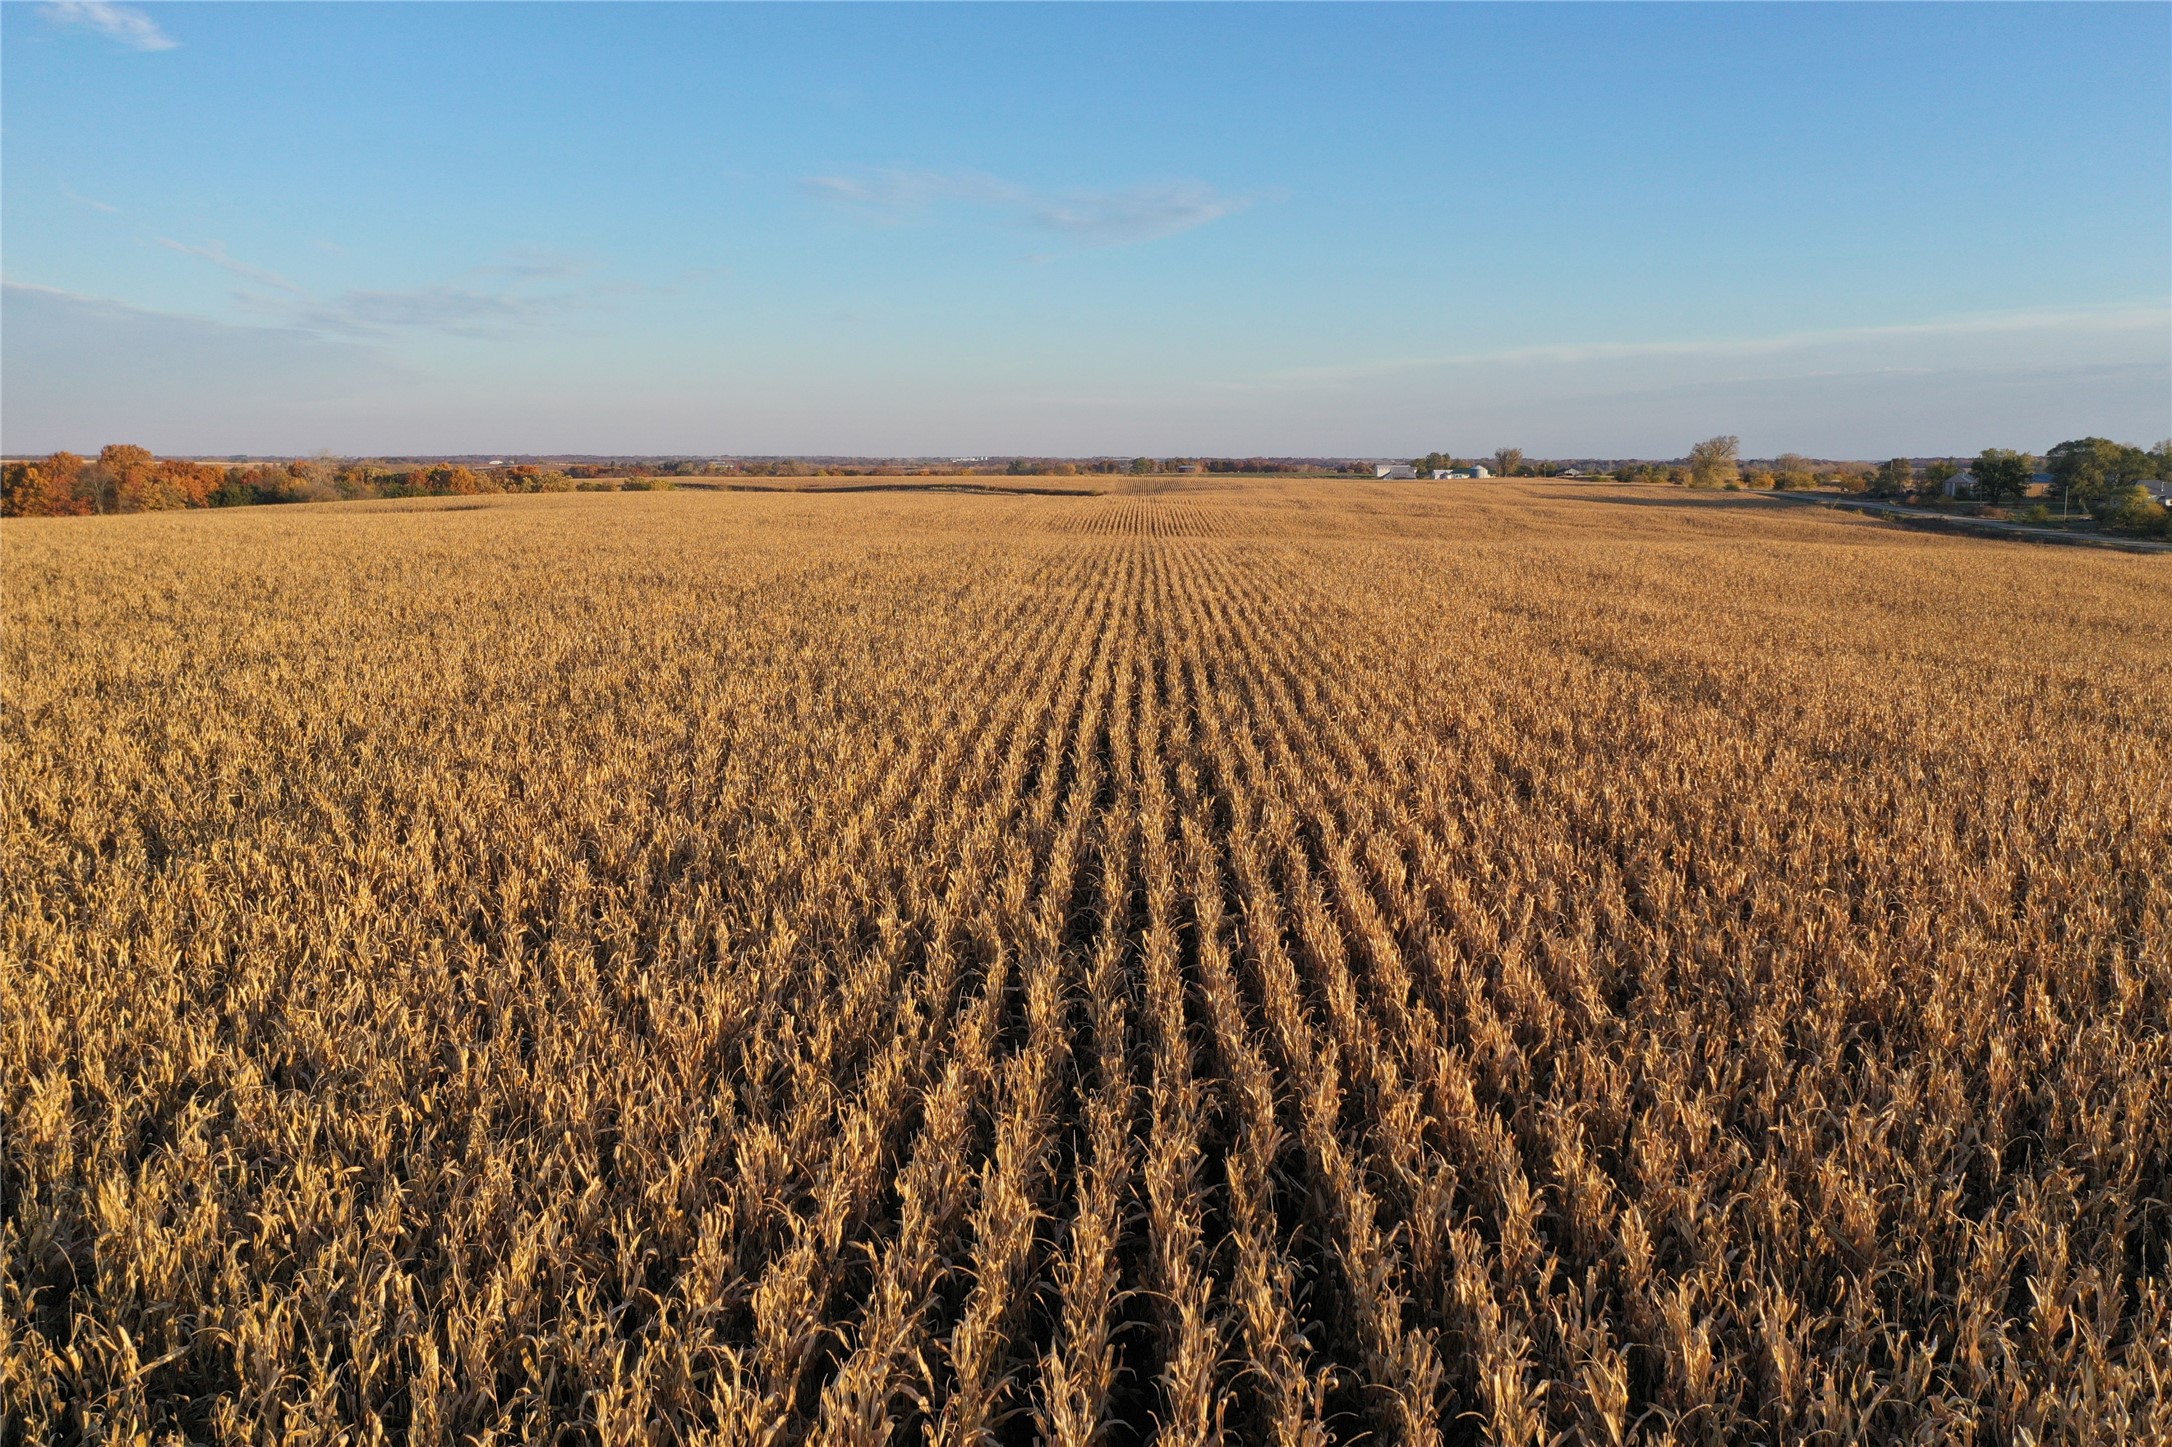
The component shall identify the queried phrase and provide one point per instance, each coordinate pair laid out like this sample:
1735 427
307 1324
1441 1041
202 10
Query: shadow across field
1618 500
433 505
1874 510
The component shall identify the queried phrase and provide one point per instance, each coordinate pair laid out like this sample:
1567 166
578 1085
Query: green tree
1144 465
1716 462
1507 461
2133 508
1937 474
2131 465
2084 470
2001 475
2097 470
236 489
1897 476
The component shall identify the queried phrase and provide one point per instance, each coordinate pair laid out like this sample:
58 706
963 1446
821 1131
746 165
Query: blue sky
1371 230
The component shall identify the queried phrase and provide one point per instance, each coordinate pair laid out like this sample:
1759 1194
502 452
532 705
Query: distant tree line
1505 462
1155 466
2093 476
2089 477
122 479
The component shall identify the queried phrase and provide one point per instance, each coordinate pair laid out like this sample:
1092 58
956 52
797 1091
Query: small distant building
1473 471
1187 467
1441 472
2160 491
1394 470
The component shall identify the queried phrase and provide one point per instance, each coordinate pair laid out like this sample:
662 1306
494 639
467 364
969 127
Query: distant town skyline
1303 231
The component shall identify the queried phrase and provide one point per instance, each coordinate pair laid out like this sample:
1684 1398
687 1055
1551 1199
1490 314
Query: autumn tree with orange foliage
126 478
46 488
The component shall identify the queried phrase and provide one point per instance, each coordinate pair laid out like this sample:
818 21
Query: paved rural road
1984 526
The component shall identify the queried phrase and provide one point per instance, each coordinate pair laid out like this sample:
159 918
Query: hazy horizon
1355 231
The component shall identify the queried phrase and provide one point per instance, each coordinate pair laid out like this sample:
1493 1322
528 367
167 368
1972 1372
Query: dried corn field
1286 964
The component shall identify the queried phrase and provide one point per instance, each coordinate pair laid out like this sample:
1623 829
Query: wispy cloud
891 195
215 253
87 201
536 263
123 24
362 313
365 313
1119 217
457 311
2132 319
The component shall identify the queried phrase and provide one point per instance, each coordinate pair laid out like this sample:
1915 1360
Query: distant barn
1394 470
